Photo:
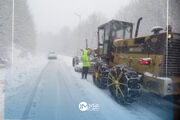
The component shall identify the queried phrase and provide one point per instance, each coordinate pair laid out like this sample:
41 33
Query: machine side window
113 33
105 48
107 32
127 33
119 33
101 36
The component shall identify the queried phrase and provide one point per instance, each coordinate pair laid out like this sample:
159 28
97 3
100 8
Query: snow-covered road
56 92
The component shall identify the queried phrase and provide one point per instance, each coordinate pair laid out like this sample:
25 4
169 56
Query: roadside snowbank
20 79
2 81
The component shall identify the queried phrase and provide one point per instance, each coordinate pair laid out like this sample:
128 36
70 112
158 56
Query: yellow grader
126 65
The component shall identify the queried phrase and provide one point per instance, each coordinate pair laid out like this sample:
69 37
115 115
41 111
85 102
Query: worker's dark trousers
84 72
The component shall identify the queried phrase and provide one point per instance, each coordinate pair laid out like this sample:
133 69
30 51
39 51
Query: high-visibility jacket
85 59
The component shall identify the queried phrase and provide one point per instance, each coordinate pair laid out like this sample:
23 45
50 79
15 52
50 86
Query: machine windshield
111 31
123 33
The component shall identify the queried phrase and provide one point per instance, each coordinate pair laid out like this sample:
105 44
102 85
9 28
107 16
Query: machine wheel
124 84
100 76
73 62
96 78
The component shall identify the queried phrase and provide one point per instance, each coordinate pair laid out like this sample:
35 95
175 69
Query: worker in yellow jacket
86 63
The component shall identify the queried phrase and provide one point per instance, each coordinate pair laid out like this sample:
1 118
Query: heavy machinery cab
111 31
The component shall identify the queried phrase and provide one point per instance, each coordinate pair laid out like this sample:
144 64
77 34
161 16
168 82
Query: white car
76 60
52 55
79 66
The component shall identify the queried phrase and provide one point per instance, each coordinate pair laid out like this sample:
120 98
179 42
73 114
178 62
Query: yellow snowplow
127 64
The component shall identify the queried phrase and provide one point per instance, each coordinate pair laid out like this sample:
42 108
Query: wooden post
86 43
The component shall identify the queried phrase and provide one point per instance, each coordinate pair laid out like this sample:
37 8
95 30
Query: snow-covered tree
24 26
154 13
24 32
87 29
5 27
71 41
174 15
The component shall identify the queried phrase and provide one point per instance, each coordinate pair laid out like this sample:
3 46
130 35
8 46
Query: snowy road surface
56 91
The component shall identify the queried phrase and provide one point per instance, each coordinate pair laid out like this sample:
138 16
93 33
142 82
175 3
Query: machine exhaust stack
86 43
137 27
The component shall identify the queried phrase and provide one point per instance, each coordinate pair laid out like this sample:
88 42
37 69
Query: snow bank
20 79
2 80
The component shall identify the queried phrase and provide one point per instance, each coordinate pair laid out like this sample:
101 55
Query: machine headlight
169 36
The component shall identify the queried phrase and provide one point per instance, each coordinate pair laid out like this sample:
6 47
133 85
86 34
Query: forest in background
24 29
69 41
154 13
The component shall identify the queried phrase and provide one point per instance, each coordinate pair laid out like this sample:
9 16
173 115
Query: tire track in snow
72 82
33 93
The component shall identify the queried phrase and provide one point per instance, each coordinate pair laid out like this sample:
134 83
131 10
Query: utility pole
12 36
79 16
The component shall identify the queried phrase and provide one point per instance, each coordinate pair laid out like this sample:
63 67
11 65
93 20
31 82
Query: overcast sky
52 15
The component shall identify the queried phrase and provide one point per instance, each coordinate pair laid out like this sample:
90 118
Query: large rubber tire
96 81
123 84
99 77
